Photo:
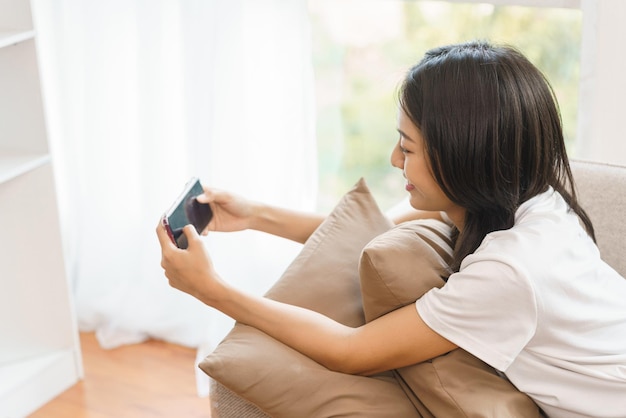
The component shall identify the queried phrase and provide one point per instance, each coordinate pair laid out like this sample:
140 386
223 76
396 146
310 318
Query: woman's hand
230 212
235 213
190 270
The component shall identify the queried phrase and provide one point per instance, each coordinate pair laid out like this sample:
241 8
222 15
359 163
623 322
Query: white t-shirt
537 303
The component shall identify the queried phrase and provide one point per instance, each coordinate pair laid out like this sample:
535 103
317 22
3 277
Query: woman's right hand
230 212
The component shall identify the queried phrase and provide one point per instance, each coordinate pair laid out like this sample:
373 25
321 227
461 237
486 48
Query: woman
481 146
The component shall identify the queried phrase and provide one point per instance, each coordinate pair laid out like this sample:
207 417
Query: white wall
602 107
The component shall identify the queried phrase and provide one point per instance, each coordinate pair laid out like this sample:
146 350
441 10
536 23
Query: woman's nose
397 158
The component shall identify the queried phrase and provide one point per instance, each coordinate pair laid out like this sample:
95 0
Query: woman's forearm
309 332
294 225
394 340
413 214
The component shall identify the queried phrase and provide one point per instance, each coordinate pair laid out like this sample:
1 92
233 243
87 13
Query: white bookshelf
39 346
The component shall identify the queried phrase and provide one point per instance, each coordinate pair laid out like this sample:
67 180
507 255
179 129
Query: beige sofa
602 192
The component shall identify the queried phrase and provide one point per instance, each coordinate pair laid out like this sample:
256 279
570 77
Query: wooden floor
153 379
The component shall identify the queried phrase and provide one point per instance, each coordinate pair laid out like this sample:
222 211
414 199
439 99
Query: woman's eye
403 150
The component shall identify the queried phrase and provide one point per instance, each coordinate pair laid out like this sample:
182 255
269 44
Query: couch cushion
397 268
602 193
323 277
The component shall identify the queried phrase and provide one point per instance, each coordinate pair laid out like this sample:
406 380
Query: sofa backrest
601 191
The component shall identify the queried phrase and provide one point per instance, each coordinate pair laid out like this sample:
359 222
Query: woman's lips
409 187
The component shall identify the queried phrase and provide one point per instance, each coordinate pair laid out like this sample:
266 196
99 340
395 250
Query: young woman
480 145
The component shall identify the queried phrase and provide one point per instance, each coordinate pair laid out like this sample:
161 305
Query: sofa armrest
601 191
226 404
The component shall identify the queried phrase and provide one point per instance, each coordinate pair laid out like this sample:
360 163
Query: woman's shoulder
545 231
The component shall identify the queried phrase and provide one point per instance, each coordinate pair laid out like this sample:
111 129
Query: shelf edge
8 38
29 163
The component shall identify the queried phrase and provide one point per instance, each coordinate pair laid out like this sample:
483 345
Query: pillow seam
446 391
368 259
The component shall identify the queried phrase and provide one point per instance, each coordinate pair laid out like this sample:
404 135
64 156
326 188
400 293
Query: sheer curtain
140 96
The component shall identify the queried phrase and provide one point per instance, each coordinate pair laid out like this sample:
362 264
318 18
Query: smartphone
187 210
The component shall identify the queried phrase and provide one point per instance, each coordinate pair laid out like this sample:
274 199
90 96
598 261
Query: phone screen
187 210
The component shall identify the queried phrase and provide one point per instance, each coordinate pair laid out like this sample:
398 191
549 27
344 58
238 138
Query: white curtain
140 96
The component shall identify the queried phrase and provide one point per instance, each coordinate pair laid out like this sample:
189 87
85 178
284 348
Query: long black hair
492 130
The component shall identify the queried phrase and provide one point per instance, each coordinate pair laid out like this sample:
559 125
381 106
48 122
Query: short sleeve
488 308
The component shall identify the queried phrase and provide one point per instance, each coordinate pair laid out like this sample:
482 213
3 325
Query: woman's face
409 155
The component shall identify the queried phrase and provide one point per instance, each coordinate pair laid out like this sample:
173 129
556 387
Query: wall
602 111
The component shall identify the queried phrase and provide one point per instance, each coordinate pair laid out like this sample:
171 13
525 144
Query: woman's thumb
191 233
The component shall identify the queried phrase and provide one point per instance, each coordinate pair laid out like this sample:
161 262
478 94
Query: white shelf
41 378
13 37
39 345
13 164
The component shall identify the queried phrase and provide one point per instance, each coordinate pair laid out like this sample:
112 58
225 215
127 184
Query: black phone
187 210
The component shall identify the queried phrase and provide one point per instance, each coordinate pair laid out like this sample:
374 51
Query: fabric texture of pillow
323 277
397 268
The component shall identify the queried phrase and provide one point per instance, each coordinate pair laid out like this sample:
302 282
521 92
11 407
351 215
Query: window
362 49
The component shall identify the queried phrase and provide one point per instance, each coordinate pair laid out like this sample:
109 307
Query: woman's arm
403 212
234 213
414 214
294 225
397 339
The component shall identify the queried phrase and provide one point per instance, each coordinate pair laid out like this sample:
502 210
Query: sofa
354 268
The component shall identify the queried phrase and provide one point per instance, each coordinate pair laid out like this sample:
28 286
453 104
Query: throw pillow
397 268
323 277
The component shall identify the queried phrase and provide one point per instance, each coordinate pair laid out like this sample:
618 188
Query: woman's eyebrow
404 135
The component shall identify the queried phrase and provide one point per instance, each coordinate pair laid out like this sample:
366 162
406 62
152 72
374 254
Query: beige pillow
398 267
323 277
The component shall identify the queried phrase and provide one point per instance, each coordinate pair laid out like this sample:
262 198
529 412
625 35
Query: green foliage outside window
363 48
